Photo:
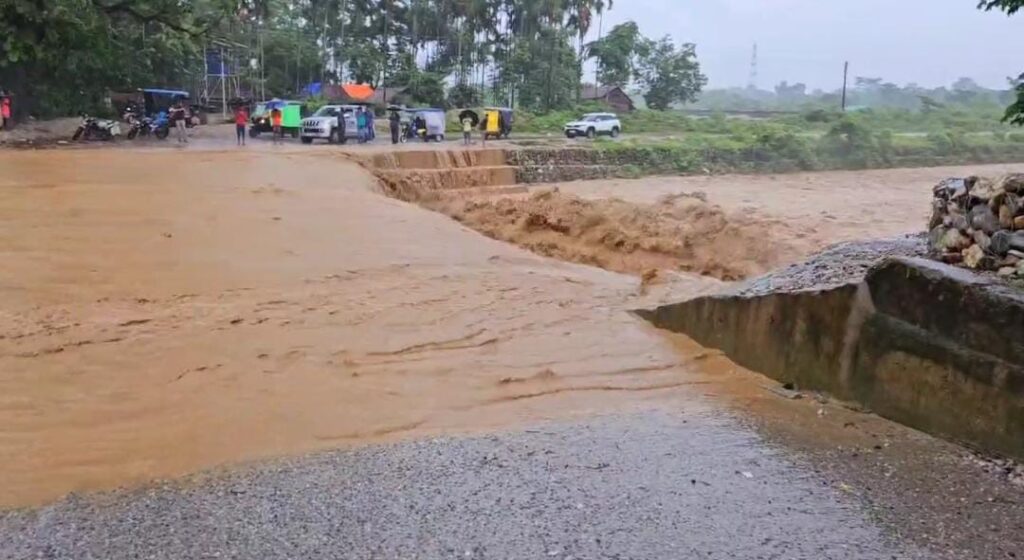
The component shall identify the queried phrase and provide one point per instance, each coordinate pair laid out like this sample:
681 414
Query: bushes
849 144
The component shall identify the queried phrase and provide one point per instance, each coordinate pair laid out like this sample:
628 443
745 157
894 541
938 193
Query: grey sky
930 42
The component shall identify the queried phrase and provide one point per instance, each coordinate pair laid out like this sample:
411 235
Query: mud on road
166 312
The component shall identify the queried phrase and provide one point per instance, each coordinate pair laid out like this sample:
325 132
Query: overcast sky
930 42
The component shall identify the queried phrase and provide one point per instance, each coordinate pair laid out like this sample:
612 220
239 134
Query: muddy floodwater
167 311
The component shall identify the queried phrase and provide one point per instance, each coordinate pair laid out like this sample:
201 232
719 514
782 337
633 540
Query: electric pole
846 72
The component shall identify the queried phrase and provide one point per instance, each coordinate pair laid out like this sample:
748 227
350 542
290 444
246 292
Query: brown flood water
165 312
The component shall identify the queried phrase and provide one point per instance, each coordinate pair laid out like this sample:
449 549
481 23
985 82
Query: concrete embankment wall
925 344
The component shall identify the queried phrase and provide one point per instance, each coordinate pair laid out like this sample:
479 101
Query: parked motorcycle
93 128
137 125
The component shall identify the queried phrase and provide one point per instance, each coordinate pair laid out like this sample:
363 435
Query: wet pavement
655 485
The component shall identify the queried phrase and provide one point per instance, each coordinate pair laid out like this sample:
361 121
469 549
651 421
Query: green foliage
464 95
425 88
1015 112
547 71
615 54
1009 6
670 75
62 56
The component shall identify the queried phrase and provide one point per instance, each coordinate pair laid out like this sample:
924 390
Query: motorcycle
98 129
137 126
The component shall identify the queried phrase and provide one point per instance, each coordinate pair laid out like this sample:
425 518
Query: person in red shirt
275 119
5 110
241 119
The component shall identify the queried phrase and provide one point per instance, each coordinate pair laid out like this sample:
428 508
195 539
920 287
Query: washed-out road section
168 312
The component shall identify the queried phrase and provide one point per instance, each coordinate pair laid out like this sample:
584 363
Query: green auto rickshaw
292 113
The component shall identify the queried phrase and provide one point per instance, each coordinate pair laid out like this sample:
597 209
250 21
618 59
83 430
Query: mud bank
729 227
925 344
680 232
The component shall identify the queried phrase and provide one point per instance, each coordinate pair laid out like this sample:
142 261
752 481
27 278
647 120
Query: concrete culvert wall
922 343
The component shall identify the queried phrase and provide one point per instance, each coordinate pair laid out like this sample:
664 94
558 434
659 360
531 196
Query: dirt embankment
678 232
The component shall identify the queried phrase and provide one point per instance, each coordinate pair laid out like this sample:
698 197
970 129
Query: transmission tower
752 83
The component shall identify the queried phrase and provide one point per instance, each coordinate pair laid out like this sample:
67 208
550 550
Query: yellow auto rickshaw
497 122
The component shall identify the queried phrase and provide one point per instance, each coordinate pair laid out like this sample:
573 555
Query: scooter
98 129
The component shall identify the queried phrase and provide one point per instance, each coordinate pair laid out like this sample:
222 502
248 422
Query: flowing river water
168 311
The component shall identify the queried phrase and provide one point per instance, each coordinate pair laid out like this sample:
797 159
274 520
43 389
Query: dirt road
168 311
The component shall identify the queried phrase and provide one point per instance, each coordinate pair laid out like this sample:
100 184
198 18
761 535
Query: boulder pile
979 223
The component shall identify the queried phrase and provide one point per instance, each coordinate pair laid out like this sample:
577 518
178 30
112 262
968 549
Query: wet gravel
837 265
651 485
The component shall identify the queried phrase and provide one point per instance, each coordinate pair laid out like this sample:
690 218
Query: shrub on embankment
764 148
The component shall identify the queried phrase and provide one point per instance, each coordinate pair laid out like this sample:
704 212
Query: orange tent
358 92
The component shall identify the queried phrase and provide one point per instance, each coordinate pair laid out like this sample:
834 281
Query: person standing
177 116
361 124
371 134
342 126
275 120
241 119
467 130
5 110
395 122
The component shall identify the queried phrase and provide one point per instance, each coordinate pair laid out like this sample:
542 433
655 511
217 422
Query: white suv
324 124
593 124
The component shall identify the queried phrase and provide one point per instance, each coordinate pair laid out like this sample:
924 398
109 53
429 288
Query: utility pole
263 64
846 72
752 83
341 40
223 86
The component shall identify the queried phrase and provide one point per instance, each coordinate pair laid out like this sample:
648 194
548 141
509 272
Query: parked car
324 124
593 124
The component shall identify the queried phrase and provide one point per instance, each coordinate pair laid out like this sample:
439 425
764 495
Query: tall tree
670 75
615 54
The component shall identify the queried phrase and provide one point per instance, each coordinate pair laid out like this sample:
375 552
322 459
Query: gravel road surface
650 485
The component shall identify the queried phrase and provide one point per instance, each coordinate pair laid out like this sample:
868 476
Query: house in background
612 96
390 95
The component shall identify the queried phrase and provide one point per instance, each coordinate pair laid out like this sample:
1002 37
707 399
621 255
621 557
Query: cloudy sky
930 42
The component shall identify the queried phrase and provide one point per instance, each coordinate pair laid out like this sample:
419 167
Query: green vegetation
667 75
1015 112
848 143
59 57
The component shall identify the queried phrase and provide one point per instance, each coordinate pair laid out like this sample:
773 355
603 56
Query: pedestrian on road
395 122
275 120
5 111
241 119
371 134
361 124
342 126
467 131
177 116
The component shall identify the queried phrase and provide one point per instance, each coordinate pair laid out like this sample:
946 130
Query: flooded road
165 312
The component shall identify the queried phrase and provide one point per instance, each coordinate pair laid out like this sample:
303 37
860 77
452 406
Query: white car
323 124
593 124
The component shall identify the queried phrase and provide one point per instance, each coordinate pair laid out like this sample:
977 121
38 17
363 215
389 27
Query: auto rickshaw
292 113
497 122
156 103
427 124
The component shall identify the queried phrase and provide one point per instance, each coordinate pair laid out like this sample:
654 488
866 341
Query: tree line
64 56
864 92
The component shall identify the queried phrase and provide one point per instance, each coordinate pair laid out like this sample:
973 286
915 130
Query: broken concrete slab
935 347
